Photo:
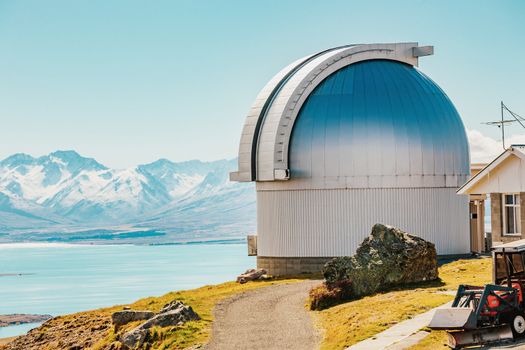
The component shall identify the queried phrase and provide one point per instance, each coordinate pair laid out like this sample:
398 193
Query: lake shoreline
17 319
59 279
44 244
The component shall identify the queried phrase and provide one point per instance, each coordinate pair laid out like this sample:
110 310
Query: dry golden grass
202 300
66 330
349 323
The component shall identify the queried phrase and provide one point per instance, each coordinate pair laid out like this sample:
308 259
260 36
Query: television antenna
516 118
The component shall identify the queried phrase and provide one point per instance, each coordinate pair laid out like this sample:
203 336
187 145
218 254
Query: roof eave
487 169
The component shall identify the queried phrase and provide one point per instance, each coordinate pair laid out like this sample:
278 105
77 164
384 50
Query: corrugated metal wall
324 223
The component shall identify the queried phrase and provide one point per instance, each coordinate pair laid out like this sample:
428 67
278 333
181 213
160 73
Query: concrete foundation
279 266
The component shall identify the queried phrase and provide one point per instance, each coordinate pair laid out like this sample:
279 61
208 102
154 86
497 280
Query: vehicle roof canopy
511 247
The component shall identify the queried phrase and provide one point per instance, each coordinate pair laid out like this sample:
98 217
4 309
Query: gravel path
272 317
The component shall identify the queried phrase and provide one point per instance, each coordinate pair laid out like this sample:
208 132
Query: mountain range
64 197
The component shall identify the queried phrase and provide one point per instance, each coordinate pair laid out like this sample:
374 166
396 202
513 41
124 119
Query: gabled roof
516 150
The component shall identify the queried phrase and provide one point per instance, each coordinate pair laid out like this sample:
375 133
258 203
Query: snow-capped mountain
64 190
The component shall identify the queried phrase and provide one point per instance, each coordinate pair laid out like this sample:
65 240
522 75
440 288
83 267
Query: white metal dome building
346 138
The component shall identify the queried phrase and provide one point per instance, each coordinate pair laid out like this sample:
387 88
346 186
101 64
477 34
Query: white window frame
517 214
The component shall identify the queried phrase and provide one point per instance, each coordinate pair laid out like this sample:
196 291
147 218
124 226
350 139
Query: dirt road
273 317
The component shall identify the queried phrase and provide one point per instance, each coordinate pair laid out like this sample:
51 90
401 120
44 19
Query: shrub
326 295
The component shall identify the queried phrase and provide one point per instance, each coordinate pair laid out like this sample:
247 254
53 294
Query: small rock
251 275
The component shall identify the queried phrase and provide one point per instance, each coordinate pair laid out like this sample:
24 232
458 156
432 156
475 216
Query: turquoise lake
62 278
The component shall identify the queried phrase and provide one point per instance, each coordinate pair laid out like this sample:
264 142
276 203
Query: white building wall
507 177
326 223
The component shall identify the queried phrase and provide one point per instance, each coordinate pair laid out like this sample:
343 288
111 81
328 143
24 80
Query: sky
127 82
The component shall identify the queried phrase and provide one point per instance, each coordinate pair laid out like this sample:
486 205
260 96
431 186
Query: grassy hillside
342 325
351 322
93 329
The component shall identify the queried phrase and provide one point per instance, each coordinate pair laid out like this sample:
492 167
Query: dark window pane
509 199
518 219
509 216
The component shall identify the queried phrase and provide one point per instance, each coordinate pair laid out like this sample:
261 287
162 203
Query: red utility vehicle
495 312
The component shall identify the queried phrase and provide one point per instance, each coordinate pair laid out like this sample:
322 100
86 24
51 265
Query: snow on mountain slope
65 188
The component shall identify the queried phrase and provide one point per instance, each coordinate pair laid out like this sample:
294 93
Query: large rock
386 258
123 317
172 314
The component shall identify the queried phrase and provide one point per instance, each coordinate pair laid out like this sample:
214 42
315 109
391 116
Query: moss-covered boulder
386 258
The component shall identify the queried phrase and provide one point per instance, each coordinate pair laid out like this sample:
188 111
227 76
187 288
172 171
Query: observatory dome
346 138
378 123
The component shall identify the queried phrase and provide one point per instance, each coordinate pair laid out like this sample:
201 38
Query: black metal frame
477 296
520 277
508 297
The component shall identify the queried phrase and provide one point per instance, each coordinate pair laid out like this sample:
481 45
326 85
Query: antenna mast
501 124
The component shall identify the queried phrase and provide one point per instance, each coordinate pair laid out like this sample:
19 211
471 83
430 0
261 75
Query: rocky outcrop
172 314
123 317
387 257
251 275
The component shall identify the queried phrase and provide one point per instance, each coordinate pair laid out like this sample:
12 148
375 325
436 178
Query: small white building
503 180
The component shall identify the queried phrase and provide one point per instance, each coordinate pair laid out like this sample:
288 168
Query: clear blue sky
128 82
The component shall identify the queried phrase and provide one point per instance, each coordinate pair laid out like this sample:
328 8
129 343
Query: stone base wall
294 266
278 266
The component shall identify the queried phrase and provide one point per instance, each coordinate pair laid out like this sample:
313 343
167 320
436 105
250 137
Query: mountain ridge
63 190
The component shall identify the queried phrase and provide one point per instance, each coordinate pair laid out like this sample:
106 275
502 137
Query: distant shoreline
40 244
211 241
16 319
28 245
14 274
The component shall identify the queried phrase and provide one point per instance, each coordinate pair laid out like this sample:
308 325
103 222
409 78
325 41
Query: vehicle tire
518 325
